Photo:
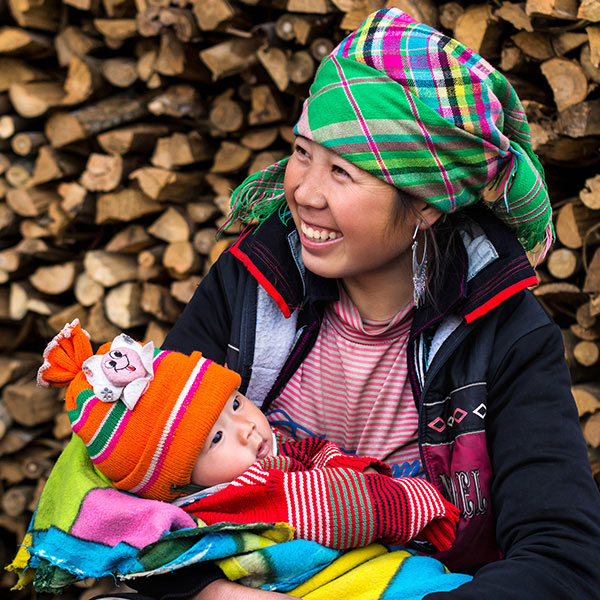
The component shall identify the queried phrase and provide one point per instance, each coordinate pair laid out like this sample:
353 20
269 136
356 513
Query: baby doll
160 424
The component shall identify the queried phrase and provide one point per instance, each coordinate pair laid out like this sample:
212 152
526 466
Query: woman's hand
222 589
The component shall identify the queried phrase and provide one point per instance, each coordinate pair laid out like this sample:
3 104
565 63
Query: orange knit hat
143 413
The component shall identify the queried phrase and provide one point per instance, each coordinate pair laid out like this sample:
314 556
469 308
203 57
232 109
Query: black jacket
499 432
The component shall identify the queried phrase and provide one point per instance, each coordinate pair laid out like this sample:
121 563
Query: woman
394 284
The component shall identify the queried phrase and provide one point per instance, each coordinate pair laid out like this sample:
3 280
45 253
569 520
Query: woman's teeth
319 235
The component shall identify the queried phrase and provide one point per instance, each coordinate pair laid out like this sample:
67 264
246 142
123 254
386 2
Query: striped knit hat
143 413
420 111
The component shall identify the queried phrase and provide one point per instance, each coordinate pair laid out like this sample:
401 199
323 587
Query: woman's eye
236 404
217 438
340 171
301 151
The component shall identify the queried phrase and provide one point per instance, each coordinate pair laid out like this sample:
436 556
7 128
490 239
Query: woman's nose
309 192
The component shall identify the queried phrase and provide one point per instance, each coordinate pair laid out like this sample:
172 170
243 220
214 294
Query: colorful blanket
78 531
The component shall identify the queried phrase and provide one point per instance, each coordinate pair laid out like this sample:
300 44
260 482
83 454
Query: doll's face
241 436
122 366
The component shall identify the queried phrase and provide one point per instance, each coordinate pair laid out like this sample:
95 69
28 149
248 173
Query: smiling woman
345 324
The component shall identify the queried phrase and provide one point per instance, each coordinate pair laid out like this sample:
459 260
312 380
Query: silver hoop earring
419 269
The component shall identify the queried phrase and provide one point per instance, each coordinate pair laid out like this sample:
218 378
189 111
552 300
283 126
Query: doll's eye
112 363
118 354
217 438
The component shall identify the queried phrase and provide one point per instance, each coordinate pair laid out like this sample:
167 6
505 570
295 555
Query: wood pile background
125 123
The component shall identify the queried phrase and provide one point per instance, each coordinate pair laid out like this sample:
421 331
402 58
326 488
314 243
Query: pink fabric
101 520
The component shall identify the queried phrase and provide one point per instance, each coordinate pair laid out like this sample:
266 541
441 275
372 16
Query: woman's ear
430 215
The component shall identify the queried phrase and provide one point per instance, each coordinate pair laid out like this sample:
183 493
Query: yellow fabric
366 574
19 565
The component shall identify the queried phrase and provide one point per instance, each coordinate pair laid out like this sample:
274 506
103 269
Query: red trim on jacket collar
262 280
500 297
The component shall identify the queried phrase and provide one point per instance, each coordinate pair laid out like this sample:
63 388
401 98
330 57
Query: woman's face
347 219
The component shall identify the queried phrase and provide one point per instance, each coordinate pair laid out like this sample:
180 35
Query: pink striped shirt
353 388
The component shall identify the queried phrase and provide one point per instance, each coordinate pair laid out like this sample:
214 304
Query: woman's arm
545 501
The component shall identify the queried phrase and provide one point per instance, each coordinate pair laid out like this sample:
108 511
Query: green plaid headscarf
422 112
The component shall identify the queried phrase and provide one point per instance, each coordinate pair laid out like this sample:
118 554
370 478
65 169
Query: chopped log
200 212
133 138
98 326
212 13
17 365
230 57
178 101
572 222
124 205
591 430
11 124
157 301
64 128
104 172
72 41
275 62
184 289
181 149
181 21
301 67
23 43
563 263
260 138
87 290
171 226
266 106
31 202
29 404
590 194
218 248
123 305
560 9
204 240
14 70
587 353
165 184
74 311
131 240
181 259
109 268
478 29
567 80
17 438
52 164
589 9
580 120
151 257
116 31
26 142
320 48
534 44
593 33
54 279
156 332
230 157
6 420
558 296
19 173
320 7
36 98
585 333
512 13
120 72
227 115
563 43
62 426
14 501
585 60
592 279
76 202
264 159
584 315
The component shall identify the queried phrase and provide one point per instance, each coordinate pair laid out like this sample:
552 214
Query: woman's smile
318 234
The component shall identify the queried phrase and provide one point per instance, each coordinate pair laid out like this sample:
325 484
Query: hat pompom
64 356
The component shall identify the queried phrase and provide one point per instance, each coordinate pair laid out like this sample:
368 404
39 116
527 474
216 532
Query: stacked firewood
124 124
